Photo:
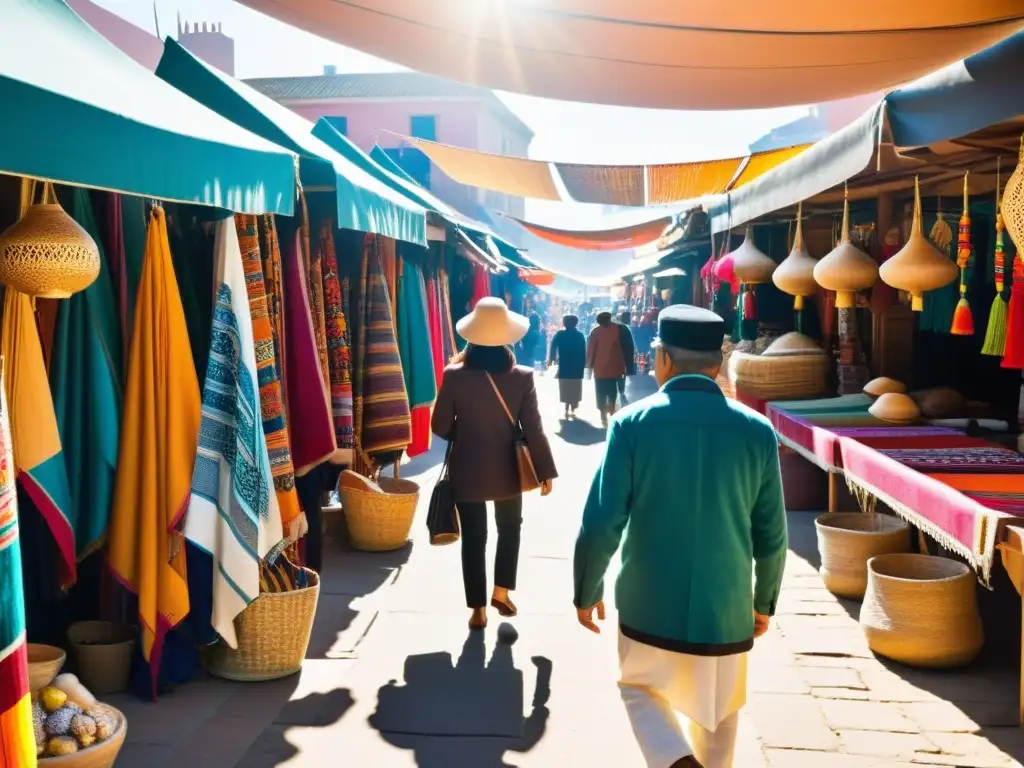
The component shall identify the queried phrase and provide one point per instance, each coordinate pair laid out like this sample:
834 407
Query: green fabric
192 259
82 112
414 337
693 479
364 203
133 228
86 371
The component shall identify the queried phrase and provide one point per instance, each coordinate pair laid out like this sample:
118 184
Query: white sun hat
491 324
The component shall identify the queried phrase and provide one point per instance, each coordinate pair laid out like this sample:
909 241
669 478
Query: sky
565 131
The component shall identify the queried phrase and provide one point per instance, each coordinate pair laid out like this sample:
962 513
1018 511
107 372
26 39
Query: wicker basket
44 663
922 611
102 755
847 540
789 377
379 521
273 635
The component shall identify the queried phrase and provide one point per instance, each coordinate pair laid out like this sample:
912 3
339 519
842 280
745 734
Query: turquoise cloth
79 111
695 477
414 337
86 372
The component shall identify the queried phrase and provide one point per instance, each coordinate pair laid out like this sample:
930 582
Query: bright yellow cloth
159 435
17 742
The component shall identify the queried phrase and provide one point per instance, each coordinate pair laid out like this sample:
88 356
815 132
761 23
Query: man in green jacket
693 479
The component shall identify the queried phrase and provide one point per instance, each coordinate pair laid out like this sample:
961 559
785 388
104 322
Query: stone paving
393 678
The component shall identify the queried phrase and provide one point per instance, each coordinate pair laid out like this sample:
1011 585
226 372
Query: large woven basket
847 540
922 610
273 635
379 521
102 755
788 377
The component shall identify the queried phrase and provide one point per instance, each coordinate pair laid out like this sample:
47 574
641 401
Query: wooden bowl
102 755
44 663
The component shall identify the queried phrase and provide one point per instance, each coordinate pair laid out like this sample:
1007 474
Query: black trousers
310 489
473 519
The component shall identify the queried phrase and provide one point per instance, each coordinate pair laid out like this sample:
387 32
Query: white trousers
681 705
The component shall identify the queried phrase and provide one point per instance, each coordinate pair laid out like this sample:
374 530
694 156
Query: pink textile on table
816 442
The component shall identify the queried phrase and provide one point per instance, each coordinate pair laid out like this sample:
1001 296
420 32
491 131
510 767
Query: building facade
381 108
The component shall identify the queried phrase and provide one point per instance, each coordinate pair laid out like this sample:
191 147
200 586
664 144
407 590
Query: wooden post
833 492
397 470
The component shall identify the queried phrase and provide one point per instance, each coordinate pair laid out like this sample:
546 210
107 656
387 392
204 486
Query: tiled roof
386 85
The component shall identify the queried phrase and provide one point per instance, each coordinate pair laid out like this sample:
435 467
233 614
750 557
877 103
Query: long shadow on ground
466 713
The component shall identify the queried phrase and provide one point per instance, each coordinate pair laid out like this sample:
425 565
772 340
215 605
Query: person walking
569 349
628 352
696 478
531 343
606 360
482 393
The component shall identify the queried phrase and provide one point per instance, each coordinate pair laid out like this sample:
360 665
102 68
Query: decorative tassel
963 319
1013 357
749 303
999 259
995 336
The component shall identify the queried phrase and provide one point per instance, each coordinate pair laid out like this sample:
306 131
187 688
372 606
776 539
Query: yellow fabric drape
159 435
762 162
673 182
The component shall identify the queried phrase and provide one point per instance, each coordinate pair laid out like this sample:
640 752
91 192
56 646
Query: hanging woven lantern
47 254
919 266
1013 203
795 275
750 264
846 269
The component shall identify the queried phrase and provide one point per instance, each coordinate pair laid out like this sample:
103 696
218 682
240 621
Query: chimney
330 69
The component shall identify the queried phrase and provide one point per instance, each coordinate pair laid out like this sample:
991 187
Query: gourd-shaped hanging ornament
919 266
46 253
846 269
751 267
795 275
1013 203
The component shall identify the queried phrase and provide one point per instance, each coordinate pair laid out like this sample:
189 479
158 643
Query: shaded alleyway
393 677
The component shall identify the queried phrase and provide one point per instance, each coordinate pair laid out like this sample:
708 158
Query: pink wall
142 46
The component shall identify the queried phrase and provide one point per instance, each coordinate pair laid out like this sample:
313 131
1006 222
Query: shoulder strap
501 400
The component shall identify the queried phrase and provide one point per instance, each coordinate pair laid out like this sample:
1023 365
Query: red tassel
749 303
1014 354
963 319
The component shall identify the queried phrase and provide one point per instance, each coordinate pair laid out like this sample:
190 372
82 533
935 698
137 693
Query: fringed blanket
339 357
159 433
386 422
273 280
414 345
313 270
233 514
275 420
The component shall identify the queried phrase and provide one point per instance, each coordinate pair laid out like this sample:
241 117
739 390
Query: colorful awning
364 203
622 185
79 111
633 236
732 54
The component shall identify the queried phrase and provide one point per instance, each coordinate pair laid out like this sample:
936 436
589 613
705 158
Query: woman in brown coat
469 413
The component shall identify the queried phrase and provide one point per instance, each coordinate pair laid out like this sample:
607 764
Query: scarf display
275 420
233 513
449 344
35 437
383 403
434 323
416 354
85 377
159 433
273 280
313 266
17 740
311 426
339 356
481 285
387 254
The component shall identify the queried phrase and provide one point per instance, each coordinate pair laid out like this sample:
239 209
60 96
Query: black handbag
442 516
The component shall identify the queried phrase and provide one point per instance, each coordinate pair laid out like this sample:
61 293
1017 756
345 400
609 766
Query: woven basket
922 611
273 635
847 540
48 254
379 521
788 377
44 663
102 755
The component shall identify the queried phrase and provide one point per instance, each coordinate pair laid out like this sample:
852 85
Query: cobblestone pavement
393 678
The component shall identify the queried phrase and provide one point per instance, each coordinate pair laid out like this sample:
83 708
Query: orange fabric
673 182
604 184
605 239
761 162
17 742
159 436
992 483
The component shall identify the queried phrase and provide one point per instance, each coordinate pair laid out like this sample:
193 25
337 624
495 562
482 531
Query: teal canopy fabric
79 111
364 203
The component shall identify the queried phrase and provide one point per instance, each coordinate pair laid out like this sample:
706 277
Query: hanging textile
449 344
85 376
275 422
436 333
233 513
416 354
159 433
309 412
46 322
135 229
192 258
17 741
481 286
339 357
116 265
385 420
35 438
311 262
388 256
